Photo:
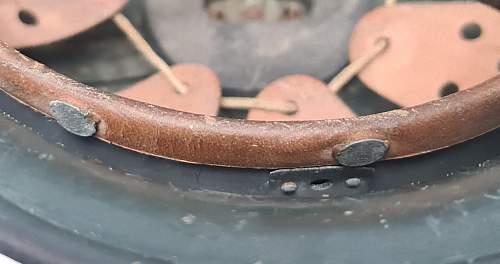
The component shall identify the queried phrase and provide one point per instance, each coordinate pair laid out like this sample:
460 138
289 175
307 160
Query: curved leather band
239 143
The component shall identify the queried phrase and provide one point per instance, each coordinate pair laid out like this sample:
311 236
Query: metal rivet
362 152
289 187
72 118
353 182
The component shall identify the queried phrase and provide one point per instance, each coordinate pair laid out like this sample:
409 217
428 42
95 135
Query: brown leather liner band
239 143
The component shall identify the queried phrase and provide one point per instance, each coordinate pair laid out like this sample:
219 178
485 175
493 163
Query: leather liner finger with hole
427 50
50 20
240 143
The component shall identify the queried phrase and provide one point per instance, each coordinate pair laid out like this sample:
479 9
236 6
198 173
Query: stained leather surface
239 143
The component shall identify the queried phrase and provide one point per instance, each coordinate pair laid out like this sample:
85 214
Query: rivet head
289 187
353 182
361 153
72 118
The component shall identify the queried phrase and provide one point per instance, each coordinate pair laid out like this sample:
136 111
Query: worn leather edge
239 143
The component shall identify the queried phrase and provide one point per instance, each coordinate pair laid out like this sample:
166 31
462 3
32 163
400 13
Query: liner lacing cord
246 103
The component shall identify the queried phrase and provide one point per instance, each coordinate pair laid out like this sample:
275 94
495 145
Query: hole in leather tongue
27 17
471 31
448 88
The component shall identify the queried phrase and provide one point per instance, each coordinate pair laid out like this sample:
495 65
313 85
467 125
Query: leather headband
240 143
